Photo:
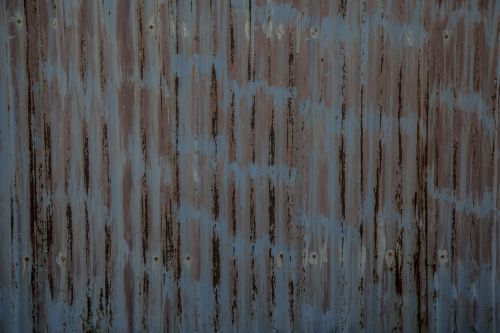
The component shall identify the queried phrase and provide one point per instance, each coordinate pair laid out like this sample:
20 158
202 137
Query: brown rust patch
253 226
271 212
233 207
216 278
126 98
106 172
234 291
124 38
232 142
103 74
85 145
177 185
272 286
231 33
140 26
252 127
69 251
291 303
214 105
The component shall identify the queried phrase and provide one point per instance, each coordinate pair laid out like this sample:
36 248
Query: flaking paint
249 165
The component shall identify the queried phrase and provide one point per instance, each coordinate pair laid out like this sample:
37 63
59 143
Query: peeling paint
249 166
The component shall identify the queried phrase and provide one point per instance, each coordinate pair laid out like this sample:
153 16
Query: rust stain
250 165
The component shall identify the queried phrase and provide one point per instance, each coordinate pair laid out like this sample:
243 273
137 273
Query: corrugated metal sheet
261 165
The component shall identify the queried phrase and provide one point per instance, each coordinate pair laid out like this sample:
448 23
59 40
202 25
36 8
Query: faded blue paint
367 131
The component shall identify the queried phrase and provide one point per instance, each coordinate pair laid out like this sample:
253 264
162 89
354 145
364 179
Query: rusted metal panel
260 165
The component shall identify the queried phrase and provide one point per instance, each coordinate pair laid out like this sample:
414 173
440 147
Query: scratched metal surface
305 166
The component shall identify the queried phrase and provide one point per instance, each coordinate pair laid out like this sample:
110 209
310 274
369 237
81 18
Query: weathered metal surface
306 166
